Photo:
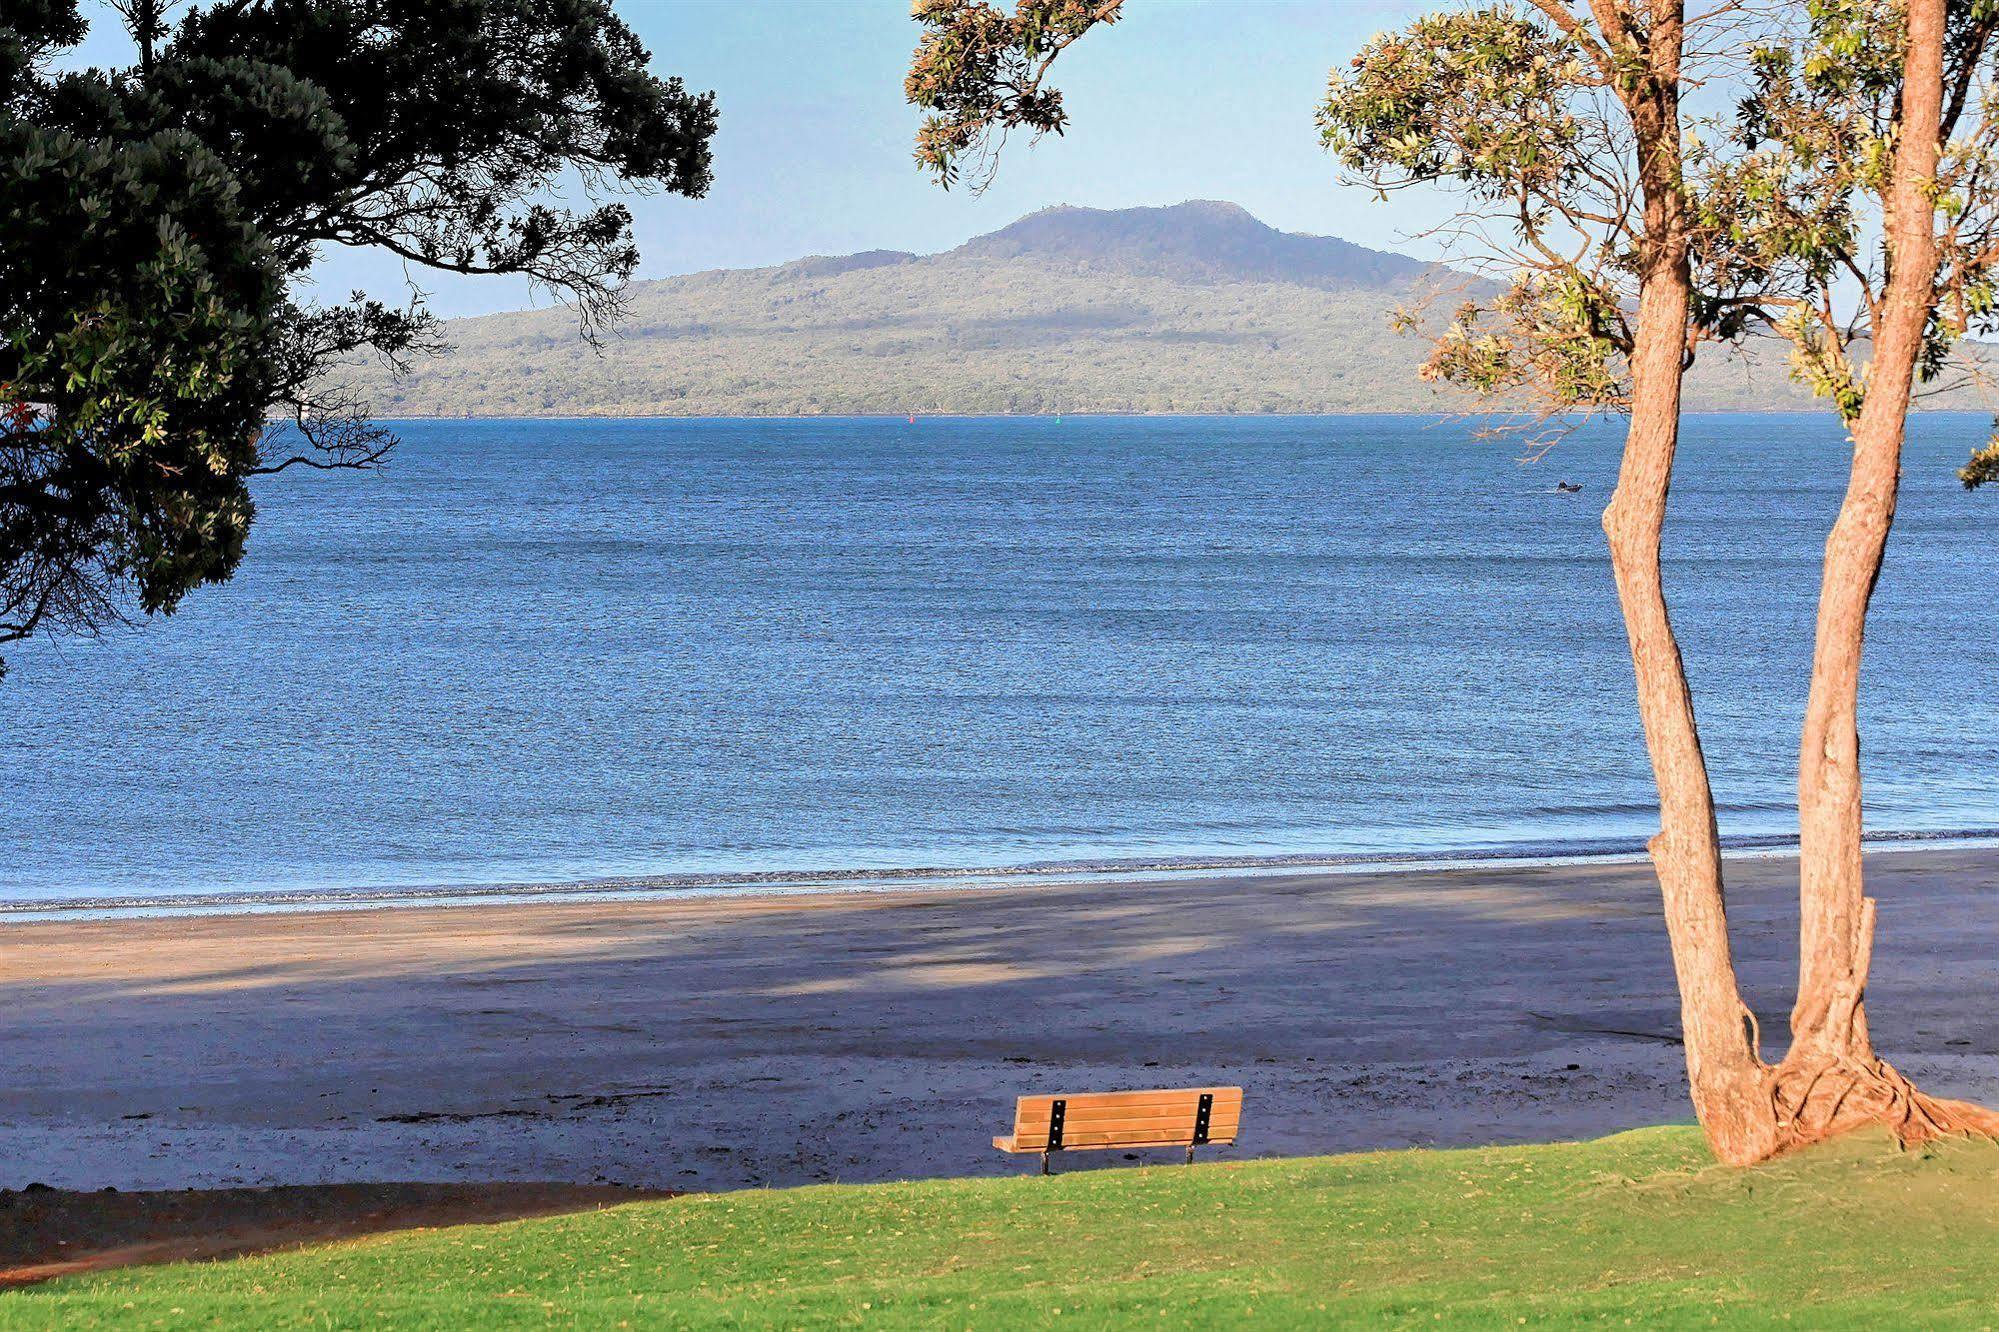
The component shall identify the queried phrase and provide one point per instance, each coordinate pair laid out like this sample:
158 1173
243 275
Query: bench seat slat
1138 1140
1039 1142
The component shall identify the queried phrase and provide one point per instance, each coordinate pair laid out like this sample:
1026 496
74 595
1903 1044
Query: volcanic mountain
1196 308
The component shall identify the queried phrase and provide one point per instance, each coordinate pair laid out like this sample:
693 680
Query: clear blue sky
1182 99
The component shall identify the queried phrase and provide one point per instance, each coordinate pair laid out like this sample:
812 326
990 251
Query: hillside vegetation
1638 1229
1197 308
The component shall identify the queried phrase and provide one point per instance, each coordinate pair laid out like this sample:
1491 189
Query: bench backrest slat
1135 1118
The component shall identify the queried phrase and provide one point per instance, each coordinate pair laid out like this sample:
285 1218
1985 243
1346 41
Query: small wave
744 882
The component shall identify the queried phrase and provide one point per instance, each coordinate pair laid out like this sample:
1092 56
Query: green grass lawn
1638 1228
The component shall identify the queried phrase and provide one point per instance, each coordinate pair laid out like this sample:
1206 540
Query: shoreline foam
726 884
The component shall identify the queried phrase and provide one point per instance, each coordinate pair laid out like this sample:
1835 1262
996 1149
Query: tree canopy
159 222
981 72
1804 202
1785 175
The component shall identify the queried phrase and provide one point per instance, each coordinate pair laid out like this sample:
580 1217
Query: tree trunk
1728 1079
1725 1075
1831 1079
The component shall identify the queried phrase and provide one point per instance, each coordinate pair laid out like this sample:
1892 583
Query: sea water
707 653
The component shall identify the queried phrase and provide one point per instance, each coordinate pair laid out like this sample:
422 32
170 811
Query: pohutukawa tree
159 223
1560 129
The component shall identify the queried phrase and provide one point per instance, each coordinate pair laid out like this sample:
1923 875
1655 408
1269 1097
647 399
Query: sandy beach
749 1041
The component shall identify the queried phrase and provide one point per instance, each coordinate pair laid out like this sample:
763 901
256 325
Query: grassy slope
1632 1228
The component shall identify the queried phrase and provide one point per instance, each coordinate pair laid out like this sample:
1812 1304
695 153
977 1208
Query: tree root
1817 1096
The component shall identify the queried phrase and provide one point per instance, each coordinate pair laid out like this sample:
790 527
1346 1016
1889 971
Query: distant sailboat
912 418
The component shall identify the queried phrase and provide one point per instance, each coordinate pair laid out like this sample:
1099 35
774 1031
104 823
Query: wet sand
746 1041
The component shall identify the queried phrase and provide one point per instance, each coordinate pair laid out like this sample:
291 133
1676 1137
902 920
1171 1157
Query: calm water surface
553 651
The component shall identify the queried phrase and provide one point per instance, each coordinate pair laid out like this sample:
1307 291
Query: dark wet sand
781 1040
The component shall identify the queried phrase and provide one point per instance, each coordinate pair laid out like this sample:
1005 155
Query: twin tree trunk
1831 1080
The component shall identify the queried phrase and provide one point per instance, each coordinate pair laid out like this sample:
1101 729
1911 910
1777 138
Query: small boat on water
1568 488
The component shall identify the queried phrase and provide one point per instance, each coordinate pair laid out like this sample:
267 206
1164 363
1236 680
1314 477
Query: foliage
1984 464
1797 207
1517 111
1507 110
980 71
1636 1228
1485 98
1557 336
137 299
158 223
1785 196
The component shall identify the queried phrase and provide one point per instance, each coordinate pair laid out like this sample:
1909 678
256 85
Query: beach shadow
855 1037
47 1233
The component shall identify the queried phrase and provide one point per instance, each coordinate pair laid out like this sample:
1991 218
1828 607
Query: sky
1182 99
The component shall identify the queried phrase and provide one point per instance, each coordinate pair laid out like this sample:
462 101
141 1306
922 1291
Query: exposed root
1821 1096
1832 1082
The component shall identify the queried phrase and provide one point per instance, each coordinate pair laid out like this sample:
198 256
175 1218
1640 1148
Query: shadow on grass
48 1233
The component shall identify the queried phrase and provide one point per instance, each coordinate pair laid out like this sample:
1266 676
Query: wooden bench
1187 1117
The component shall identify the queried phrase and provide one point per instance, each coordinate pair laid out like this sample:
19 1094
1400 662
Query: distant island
1194 308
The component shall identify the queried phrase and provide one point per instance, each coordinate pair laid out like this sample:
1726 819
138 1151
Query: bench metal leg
1190 1153
1044 1164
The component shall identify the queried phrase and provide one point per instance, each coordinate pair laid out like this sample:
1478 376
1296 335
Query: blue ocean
709 653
